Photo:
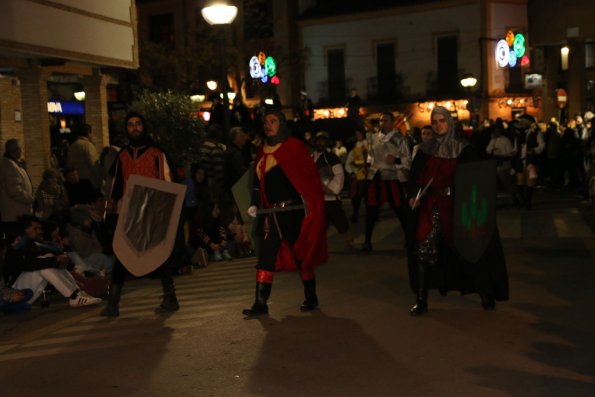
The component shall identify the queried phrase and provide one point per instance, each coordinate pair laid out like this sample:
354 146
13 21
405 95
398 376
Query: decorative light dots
270 66
510 51
264 68
519 45
502 53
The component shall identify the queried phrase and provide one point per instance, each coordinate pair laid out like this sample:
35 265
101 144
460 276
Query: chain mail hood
447 146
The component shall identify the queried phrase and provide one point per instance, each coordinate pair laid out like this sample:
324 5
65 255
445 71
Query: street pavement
361 342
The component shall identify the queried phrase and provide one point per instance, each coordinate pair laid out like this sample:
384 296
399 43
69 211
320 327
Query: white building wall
100 32
414 32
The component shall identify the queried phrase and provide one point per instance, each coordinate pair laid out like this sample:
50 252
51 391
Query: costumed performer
433 259
289 203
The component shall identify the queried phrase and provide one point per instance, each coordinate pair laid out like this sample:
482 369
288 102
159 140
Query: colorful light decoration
255 69
510 38
519 45
502 53
511 50
264 67
270 66
525 61
512 59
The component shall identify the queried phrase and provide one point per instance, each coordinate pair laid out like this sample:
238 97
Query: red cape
311 247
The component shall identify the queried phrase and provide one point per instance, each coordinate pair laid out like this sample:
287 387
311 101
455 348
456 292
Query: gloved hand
252 211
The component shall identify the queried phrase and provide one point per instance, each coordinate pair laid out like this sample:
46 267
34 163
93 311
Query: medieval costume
291 220
389 162
139 157
332 175
433 259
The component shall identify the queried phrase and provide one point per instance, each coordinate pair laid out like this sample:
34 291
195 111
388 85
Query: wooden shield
475 208
148 223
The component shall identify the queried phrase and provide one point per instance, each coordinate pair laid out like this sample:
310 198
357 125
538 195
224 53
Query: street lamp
469 81
212 85
219 13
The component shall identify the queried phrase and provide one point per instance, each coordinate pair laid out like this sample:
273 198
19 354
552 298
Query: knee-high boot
170 300
311 301
421 303
263 291
113 301
529 199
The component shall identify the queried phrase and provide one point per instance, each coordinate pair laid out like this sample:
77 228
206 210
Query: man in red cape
289 202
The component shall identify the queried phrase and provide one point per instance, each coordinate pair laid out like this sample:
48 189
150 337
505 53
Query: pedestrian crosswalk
224 288
204 295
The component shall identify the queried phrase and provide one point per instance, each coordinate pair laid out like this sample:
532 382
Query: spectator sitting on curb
208 231
13 301
44 263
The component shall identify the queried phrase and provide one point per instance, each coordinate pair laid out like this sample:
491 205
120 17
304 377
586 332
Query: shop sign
66 107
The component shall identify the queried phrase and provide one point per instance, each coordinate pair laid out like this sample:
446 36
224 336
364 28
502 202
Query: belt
282 206
445 191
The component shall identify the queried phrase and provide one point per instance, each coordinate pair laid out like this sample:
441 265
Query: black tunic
274 227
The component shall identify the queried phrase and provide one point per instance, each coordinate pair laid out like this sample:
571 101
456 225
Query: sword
422 191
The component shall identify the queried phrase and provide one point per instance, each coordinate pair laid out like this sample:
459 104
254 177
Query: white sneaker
82 299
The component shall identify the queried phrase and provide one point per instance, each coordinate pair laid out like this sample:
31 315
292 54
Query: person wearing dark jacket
42 263
433 259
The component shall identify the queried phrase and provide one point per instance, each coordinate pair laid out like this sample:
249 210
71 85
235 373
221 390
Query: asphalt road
362 341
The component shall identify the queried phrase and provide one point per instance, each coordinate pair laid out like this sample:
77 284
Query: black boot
263 291
170 300
487 302
113 302
529 199
421 303
311 301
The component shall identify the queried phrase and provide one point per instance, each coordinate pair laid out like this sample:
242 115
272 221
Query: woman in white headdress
433 259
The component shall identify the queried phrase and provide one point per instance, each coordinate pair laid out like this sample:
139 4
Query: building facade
48 51
260 26
563 33
413 56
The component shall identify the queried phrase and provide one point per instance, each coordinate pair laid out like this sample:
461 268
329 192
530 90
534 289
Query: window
161 29
589 55
385 67
448 66
336 74
259 19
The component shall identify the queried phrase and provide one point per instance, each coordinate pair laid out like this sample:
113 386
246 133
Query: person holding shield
140 157
288 201
434 259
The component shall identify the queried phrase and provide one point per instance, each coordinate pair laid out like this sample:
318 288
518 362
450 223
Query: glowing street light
212 85
219 14
468 81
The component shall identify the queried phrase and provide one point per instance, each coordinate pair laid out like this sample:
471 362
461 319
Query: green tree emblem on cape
474 213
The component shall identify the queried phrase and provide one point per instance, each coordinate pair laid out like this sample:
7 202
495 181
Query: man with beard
140 157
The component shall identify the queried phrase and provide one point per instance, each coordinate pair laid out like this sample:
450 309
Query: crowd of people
60 233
